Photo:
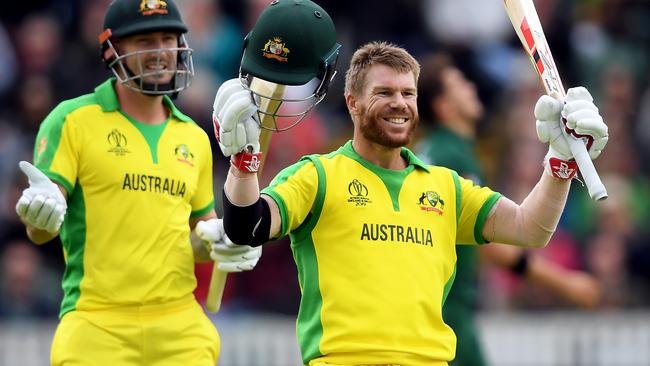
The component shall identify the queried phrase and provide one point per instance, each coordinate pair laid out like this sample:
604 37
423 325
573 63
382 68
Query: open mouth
396 120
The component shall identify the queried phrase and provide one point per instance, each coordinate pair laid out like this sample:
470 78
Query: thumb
36 178
547 109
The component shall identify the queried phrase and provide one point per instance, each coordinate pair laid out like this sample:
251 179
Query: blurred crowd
49 52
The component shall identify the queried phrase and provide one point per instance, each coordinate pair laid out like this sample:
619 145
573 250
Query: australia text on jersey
152 183
396 233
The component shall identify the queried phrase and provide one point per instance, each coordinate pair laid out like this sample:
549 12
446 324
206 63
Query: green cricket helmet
125 18
293 43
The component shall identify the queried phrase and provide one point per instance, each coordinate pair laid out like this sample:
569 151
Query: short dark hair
430 85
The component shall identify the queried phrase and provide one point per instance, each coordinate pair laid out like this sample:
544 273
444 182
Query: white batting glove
582 122
42 205
229 257
235 127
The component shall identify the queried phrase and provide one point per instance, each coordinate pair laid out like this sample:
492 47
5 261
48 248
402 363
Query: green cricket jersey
375 251
445 148
131 191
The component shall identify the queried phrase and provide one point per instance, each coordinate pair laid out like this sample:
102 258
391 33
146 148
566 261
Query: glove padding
42 205
229 257
579 116
233 117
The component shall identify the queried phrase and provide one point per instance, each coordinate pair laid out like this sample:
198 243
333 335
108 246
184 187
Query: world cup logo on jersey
118 143
358 193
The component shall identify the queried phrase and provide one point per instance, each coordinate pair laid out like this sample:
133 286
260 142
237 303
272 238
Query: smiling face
385 112
152 56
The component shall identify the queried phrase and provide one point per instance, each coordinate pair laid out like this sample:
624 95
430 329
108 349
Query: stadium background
49 52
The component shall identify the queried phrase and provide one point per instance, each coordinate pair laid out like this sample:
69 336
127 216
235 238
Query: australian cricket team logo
358 193
276 49
431 201
184 155
118 143
150 7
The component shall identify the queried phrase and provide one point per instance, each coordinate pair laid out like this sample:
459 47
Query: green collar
411 159
107 99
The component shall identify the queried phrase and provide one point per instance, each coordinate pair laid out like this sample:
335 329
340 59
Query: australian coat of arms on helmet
275 49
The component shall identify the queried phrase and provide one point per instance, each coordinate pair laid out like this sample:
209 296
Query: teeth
396 120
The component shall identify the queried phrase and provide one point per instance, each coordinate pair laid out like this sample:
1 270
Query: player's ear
351 103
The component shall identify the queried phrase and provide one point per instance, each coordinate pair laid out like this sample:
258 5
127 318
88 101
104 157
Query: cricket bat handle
594 185
217 286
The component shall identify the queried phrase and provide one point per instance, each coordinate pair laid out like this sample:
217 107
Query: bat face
524 19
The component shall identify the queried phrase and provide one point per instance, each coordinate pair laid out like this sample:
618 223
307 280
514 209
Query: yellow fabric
126 234
382 264
178 333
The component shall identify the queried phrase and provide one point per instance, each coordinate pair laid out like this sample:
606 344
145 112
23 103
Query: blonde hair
373 53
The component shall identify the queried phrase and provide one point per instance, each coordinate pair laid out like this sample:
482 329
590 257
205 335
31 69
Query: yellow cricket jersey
131 191
375 251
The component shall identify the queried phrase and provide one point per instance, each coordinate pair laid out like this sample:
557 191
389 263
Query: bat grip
594 185
215 293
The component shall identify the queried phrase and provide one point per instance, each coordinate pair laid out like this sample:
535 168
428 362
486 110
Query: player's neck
382 156
147 109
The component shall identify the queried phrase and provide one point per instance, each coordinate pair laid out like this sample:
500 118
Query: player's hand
229 257
579 115
234 116
42 205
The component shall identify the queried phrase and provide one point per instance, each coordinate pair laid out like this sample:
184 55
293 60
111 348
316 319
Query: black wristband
521 266
247 225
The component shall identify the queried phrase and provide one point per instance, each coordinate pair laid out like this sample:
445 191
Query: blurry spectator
216 38
8 64
27 289
39 43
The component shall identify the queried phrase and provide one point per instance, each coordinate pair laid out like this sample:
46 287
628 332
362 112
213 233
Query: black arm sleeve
247 225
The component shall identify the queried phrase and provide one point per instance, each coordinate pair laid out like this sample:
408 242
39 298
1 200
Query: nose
398 101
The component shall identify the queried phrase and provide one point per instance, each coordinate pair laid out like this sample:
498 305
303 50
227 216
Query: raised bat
526 22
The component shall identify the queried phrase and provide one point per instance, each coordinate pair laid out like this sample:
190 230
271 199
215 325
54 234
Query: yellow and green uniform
375 251
131 189
446 148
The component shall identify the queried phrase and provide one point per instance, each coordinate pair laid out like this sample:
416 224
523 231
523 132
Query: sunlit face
151 56
386 111
461 94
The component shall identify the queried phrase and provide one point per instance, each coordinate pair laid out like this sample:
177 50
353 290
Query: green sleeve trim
58 178
482 216
280 178
308 225
203 211
458 195
284 219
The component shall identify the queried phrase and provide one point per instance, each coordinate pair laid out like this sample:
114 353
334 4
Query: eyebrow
382 88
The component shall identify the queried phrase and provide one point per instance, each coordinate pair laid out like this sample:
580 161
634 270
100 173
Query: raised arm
532 223
248 218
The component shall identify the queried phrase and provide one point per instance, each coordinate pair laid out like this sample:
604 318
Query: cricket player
125 179
373 229
449 100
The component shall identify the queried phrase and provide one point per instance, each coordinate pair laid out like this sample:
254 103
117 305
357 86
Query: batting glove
579 115
234 119
42 205
229 257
